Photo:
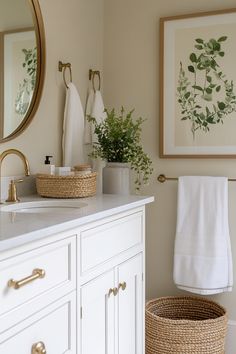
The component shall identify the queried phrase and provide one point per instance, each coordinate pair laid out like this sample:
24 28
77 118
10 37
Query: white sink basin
41 206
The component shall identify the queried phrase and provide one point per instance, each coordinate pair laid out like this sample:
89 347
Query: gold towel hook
92 74
64 66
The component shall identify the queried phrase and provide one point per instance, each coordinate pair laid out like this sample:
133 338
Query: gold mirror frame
40 40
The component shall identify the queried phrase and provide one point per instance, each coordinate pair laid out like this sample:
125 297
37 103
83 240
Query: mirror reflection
18 63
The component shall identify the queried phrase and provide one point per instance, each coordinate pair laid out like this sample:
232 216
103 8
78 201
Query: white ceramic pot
116 178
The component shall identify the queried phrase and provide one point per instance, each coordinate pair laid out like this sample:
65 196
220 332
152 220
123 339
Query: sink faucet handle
12 192
17 180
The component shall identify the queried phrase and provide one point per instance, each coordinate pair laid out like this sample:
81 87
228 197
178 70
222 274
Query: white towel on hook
99 114
97 111
73 128
203 259
88 112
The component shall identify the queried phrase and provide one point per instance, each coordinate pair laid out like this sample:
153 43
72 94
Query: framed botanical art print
198 85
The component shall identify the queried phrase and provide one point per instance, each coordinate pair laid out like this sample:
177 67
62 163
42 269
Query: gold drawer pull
113 291
122 286
38 348
17 284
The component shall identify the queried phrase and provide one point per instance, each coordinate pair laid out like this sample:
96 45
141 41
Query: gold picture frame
198 85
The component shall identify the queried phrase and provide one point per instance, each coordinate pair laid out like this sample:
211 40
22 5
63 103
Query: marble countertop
17 229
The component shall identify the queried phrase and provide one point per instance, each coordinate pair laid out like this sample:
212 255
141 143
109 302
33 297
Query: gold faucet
12 195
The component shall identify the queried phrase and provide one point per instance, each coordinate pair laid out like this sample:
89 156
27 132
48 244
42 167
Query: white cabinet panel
103 242
114 324
97 323
54 326
130 307
58 260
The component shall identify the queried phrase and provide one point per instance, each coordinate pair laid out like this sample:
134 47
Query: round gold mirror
22 64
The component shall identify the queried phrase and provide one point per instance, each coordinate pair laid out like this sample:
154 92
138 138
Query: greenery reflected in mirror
21 65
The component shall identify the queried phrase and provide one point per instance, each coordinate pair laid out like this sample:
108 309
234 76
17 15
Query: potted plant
118 142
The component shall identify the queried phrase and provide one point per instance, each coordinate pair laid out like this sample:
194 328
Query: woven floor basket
184 325
66 186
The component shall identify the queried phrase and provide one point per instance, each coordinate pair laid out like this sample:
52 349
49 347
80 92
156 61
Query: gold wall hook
63 67
92 75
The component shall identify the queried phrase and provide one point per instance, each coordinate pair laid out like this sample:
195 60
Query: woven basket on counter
185 325
78 186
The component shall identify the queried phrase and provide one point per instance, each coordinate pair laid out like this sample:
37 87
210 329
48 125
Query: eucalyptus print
204 93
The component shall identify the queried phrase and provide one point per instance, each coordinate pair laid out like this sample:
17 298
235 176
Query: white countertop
17 229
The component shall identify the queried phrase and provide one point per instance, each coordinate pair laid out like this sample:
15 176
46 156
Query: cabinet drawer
103 242
55 326
57 260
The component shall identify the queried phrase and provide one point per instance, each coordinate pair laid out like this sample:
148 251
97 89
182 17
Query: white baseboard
231 338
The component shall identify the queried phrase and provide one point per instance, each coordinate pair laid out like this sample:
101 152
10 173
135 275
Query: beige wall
131 79
74 33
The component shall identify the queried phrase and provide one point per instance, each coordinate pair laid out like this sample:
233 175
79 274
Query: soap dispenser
47 168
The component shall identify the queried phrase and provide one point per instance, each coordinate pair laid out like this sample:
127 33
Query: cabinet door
130 306
97 322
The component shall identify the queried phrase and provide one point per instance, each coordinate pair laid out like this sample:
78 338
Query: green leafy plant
206 82
118 140
26 88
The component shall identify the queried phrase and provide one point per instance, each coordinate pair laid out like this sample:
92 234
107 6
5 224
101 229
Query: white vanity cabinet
79 291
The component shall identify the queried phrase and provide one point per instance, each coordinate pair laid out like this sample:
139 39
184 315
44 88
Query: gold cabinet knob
110 292
122 286
17 284
113 291
38 348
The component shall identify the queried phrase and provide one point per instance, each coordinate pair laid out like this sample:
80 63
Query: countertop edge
42 233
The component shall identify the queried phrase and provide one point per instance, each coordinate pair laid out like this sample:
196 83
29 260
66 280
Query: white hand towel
88 112
97 112
203 259
95 109
73 128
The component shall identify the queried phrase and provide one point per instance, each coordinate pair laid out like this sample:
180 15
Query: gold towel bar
162 178
92 74
64 66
